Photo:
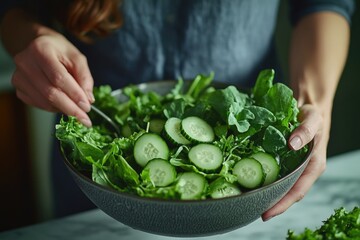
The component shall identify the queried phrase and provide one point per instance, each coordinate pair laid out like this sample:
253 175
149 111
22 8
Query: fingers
56 79
46 97
28 94
80 71
314 169
311 121
60 79
59 67
61 101
312 125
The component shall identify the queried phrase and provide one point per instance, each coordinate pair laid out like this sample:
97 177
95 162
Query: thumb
311 124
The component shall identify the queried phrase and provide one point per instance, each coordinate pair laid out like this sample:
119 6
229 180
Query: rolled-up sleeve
301 8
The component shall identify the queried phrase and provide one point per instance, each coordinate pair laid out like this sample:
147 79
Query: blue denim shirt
171 39
163 39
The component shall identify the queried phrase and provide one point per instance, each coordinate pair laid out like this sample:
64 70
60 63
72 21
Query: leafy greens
244 123
342 225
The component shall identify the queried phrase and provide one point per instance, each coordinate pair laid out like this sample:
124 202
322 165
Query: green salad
195 142
342 225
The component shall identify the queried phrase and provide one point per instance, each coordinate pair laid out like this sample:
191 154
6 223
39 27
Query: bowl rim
115 92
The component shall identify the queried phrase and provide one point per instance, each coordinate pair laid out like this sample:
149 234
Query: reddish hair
88 19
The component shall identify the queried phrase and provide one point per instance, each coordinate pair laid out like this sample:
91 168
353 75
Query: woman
105 43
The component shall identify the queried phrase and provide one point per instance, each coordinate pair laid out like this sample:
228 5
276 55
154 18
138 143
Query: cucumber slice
159 172
221 188
197 130
270 166
191 185
249 172
156 125
206 156
173 132
149 146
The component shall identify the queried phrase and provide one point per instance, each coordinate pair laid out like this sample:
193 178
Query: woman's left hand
313 126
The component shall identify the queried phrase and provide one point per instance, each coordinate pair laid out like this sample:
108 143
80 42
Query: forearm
318 54
18 29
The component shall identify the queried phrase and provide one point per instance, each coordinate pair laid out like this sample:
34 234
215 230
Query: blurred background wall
26 133
25 138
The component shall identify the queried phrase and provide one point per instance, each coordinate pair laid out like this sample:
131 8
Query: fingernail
84 106
91 96
267 219
86 122
296 143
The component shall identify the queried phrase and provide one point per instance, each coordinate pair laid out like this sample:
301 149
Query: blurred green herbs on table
196 142
342 225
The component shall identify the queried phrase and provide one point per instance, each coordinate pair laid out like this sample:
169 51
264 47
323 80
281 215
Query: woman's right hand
52 74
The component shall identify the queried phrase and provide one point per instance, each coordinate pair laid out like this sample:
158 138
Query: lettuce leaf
342 225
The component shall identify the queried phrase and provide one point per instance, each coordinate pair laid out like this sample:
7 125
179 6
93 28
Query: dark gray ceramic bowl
185 218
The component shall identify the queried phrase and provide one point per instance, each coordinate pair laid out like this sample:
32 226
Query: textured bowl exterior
185 218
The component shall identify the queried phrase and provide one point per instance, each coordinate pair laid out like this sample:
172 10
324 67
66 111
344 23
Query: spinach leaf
273 140
175 108
229 103
262 117
280 101
263 83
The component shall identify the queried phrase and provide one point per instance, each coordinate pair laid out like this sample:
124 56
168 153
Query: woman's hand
318 52
313 126
53 75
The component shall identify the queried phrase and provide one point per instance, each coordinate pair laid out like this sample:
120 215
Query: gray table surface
338 186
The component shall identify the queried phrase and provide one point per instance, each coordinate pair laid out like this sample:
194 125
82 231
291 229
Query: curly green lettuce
342 225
